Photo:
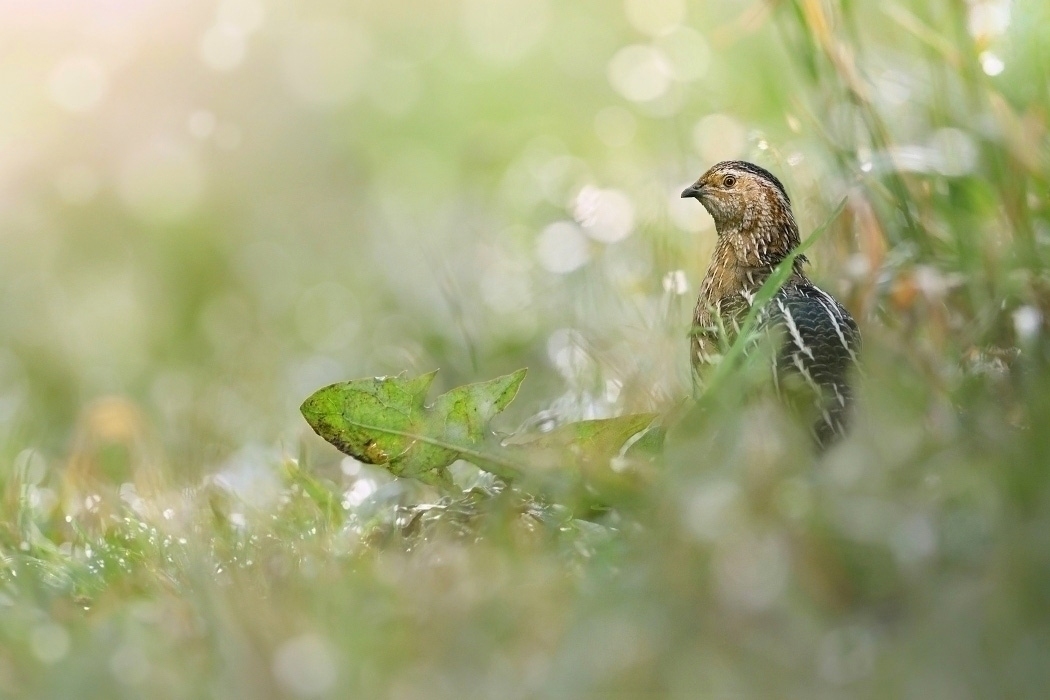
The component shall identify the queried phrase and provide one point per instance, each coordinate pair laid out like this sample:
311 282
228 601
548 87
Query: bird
816 340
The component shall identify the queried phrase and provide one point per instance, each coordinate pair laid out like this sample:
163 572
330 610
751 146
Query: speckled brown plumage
817 337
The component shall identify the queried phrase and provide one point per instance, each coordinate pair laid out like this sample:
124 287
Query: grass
171 528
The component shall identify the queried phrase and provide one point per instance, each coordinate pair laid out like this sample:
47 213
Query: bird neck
744 259
762 246
763 236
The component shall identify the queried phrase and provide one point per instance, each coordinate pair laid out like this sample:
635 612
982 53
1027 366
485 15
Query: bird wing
818 342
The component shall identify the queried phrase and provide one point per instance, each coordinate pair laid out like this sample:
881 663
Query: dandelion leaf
385 420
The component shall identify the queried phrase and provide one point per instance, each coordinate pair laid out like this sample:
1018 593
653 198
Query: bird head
736 192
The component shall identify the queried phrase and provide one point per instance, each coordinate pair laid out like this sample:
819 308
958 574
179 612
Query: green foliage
385 421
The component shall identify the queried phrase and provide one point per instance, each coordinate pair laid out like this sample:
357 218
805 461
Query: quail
816 340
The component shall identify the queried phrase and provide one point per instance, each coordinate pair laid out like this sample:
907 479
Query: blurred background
213 209
210 209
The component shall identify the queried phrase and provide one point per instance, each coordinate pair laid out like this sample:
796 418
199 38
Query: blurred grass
207 212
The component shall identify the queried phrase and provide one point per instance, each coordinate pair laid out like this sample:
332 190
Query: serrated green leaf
385 421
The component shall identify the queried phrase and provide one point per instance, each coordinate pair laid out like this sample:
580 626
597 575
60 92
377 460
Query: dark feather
818 342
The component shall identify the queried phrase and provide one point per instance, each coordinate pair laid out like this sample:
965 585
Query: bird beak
694 191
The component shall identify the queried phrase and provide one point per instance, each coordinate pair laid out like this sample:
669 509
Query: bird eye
728 181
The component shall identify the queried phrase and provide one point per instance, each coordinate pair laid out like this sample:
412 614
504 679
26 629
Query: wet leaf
385 421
